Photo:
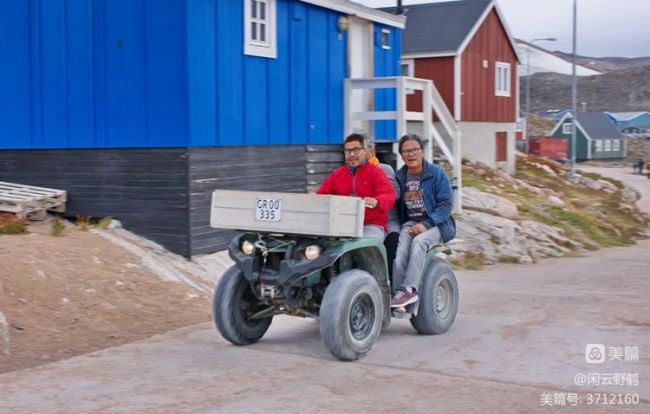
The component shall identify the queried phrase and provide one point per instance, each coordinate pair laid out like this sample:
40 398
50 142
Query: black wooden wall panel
268 168
164 194
146 189
320 160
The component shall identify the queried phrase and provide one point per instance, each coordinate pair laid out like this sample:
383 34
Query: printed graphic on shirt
413 198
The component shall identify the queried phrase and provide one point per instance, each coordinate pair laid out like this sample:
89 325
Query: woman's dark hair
360 138
410 137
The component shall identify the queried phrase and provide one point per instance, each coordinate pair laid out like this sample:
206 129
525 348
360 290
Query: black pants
390 242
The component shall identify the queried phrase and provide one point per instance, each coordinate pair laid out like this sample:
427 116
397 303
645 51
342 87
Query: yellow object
374 160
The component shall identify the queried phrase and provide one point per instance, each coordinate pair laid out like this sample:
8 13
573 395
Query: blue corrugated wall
92 73
237 99
167 73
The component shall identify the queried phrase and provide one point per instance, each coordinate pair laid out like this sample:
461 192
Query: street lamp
573 96
545 39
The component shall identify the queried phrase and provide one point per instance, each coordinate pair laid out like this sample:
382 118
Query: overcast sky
605 27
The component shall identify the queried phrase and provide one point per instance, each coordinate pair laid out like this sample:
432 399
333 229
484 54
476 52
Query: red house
466 49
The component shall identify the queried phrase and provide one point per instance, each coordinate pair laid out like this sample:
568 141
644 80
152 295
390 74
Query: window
385 39
599 145
608 145
616 145
259 28
566 128
408 70
502 79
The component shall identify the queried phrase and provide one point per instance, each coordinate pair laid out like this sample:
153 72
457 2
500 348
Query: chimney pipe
399 11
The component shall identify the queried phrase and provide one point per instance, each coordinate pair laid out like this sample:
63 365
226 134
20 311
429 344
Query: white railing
432 103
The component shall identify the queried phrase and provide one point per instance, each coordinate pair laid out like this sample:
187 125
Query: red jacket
367 181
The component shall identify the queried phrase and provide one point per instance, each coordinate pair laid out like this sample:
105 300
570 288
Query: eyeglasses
411 151
353 151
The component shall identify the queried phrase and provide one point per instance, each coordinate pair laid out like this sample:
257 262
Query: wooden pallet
30 201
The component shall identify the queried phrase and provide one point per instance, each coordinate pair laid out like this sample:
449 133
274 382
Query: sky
605 27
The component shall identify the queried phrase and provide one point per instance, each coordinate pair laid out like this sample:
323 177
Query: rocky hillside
617 91
540 213
540 126
638 149
605 64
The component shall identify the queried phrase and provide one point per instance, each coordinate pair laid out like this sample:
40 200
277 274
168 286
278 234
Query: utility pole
574 96
547 39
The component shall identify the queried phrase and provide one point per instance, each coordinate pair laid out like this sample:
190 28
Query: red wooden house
466 49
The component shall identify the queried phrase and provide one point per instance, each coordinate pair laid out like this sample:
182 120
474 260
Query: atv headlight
247 248
312 252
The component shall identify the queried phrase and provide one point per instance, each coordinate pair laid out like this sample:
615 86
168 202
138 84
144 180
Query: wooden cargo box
319 215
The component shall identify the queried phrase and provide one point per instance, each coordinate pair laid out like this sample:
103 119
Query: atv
302 255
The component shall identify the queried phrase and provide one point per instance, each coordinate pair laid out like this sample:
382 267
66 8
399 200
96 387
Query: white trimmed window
599 145
566 128
616 145
608 145
502 79
408 70
385 39
259 28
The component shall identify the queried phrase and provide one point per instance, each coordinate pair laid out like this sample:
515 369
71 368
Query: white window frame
608 145
502 79
255 46
616 145
598 145
566 128
386 45
410 72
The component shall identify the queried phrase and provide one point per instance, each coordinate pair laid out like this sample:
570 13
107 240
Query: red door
502 146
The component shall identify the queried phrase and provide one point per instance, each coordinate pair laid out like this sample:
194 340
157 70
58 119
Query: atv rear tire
438 303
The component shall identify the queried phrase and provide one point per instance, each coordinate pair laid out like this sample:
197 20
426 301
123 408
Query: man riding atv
306 255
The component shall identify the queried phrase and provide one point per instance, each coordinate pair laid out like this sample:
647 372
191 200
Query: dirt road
518 345
520 336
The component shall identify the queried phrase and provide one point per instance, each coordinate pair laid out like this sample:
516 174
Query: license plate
268 209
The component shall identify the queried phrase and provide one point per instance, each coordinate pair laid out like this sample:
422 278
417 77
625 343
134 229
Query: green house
596 136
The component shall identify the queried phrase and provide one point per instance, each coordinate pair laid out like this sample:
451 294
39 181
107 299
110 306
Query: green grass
591 217
57 227
469 261
12 225
595 176
594 228
507 259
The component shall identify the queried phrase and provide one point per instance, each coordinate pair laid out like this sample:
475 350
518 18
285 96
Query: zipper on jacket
354 183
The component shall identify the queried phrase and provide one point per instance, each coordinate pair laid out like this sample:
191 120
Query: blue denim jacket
438 199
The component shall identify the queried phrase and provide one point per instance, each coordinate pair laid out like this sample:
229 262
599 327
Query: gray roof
597 125
439 27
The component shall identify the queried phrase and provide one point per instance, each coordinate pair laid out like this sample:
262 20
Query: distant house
466 49
596 137
140 109
554 114
632 122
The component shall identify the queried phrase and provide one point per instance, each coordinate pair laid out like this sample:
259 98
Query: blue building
140 108
632 122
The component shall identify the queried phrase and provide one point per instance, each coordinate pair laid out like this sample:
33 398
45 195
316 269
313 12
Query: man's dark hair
360 138
410 137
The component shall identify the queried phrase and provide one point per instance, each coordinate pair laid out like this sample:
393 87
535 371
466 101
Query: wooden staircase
444 133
